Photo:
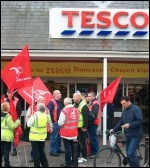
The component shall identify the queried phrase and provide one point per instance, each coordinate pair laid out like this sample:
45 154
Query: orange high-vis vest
97 120
70 127
55 109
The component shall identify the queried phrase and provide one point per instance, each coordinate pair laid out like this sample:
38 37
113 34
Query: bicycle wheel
107 157
143 155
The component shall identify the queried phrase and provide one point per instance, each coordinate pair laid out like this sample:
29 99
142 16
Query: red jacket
70 127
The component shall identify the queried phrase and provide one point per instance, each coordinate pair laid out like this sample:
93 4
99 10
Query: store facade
67 62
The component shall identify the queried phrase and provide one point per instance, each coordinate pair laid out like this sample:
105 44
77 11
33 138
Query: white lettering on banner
99 23
23 79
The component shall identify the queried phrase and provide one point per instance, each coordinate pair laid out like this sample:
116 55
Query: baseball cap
86 94
83 92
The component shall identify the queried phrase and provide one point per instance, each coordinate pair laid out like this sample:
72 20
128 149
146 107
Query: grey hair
67 100
41 107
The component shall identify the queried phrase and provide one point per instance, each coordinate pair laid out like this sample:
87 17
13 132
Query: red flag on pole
17 73
13 111
39 89
18 130
107 94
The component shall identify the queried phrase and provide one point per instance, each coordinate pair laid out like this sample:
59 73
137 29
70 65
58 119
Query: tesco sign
98 23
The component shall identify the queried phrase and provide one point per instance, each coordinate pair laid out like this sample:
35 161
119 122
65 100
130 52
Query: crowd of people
76 118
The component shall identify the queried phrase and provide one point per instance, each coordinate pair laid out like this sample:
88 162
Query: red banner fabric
39 89
107 94
17 73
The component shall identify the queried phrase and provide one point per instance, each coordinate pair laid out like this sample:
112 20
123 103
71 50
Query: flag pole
104 109
32 101
98 94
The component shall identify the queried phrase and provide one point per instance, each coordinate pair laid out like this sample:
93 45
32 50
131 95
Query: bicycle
110 156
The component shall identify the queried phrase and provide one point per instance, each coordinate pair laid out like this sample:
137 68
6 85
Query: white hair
67 100
41 107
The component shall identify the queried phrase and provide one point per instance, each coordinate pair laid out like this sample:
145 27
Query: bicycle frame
117 148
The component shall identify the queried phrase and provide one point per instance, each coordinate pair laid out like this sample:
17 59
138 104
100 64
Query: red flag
17 73
107 94
39 89
13 111
18 130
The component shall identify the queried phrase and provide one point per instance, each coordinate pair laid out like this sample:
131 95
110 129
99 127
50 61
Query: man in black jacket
131 120
82 126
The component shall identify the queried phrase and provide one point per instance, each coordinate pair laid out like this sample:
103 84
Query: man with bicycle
131 120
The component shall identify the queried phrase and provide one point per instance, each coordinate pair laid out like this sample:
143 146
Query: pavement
22 159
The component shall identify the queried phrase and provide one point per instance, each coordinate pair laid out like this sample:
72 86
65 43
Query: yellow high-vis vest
38 131
80 124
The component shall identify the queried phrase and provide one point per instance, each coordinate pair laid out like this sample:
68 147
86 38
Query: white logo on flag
18 70
40 93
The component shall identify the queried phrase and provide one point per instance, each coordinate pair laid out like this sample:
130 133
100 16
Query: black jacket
18 107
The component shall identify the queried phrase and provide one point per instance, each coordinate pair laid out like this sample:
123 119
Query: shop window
118 95
58 86
87 87
71 89
139 95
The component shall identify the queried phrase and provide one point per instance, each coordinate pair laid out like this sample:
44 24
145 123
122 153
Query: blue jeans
131 147
92 131
68 144
55 139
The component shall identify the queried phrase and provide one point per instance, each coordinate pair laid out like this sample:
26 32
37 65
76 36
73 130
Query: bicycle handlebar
115 133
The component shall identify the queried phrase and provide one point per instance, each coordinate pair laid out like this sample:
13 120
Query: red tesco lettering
104 17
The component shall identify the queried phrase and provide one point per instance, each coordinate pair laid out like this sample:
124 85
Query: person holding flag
7 132
20 75
17 104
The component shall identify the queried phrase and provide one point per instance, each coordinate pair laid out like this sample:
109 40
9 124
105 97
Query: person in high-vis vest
37 135
17 104
55 106
7 132
32 110
94 120
68 121
82 126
